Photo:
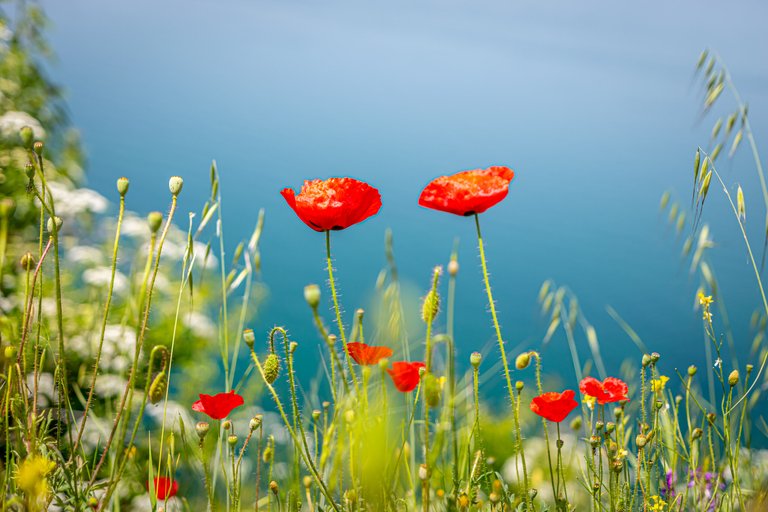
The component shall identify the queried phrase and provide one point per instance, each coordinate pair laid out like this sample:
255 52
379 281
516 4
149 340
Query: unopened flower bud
733 378
292 346
155 220
9 353
27 136
202 428
646 360
307 481
326 405
594 441
122 185
749 369
453 268
494 498
610 427
696 434
599 426
522 361
38 147
175 184
519 385
54 224
268 455
475 359
29 170
157 388
273 487
711 417
27 261
249 337
255 422
430 307
384 363
226 424
271 368
655 356
316 415
431 390
312 295
232 440
576 423
692 370
641 440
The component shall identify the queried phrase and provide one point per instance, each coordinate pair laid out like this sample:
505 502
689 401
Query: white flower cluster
117 351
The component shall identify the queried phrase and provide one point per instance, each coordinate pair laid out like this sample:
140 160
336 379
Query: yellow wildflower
707 316
31 476
657 504
590 401
657 385
705 300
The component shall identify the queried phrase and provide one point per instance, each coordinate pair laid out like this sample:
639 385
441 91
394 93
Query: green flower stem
103 323
561 470
339 322
452 374
492 305
335 363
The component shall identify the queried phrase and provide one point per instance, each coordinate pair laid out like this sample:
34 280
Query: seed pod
519 385
307 481
312 295
475 359
38 147
255 422
702 58
202 428
696 167
692 370
232 440
730 123
733 378
175 184
713 95
453 268
155 220
157 388
271 368
122 185
27 261
249 337
273 487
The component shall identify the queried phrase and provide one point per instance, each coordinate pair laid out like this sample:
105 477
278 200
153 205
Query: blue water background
592 103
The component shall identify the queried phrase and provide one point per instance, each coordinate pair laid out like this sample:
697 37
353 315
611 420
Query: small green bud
316 415
27 136
54 224
267 455
599 426
38 147
273 487
519 385
202 428
641 440
576 423
122 185
155 220
29 170
733 378
271 368
430 307
646 360
749 369
312 295
292 346
692 370
475 359
27 261
594 441
255 422
307 481
326 405
10 353
523 360
157 388
696 434
249 337
610 427
175 184
432 390
655 356
226 424
232 440
453 268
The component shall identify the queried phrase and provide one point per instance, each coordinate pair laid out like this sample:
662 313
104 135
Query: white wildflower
13 121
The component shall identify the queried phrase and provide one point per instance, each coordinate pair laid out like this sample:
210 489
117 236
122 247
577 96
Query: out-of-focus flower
608 391
218 406
13 121
367 354
657 385
100 277
405 375
164 487
467 192
554 406
333 204
32 476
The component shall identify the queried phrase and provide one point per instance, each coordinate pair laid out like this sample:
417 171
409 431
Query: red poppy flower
164 487
554 406
367 354
335 203
405 375
468 192
218 406
608 391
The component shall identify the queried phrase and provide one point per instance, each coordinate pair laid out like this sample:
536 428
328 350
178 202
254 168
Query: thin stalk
336 307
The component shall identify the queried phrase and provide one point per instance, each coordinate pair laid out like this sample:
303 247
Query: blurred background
593 104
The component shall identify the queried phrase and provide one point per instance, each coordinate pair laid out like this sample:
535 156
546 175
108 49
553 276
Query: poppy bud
749 369
523 360
332 339
696 434
122 185
326 405
384 363
519 385
27 136
292 347
349 416
494 498
155 220
641 441
175 184
360 313
54 223
646 360
453 268
430 307
475 359
271 368
617 466
599 426
576 423
431 390
267 455
618 413
711 418
255 422
29 169
733 378
655 356
560 443
610 427
659 404
27 261
38 147
692 370
273 487
7 207
157 388
9 352
249 337
232 440
307 481
202 428
594 441
316 415
312 295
